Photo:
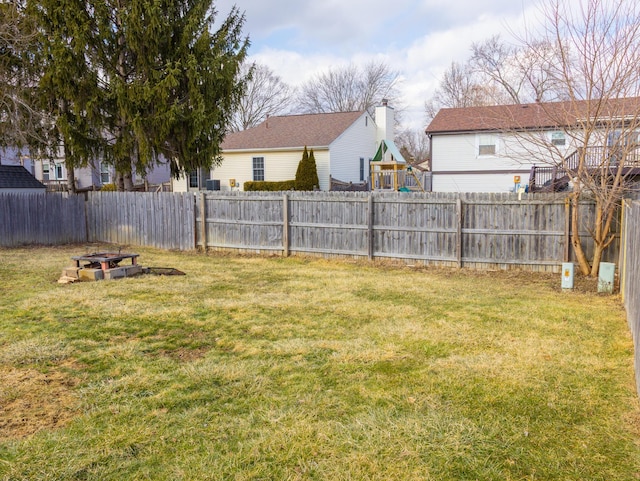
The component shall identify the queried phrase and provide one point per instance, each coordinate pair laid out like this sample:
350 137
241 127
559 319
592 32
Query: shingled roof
17 177
530 116
292 131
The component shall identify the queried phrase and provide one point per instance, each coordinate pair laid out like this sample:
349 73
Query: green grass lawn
253 368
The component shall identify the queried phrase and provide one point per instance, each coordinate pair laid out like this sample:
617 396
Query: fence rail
476 230
473 230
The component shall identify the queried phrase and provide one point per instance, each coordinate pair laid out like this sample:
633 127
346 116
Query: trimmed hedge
275 186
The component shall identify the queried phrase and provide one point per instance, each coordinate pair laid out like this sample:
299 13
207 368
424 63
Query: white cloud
418 38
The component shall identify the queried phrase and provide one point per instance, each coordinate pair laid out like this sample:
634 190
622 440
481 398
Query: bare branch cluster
497 73
266 95
350 88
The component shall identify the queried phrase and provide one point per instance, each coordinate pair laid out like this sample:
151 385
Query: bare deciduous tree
350 88
521 73
493 60
460 87
497 73
597 70
414 145
266 95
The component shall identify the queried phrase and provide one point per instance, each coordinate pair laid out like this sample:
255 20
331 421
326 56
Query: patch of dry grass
268 368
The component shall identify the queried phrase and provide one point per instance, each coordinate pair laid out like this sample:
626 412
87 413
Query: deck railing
550 178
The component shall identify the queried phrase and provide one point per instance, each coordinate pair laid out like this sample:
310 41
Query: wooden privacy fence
161 220
473 230
630 275
41 218
449 229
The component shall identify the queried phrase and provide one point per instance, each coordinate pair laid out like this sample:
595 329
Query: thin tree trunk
128 181
598 242
583 262
119 182
71 178
68 162
598 250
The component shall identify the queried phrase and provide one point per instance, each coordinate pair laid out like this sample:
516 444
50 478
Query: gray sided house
506 147
53 172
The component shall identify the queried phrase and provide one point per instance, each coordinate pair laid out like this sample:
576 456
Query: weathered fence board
472 230
495 230
161 220
630 275
41 218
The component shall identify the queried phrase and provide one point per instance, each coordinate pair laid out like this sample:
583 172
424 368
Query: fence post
459 232
86 216
203 220
622 254
285 225
370 226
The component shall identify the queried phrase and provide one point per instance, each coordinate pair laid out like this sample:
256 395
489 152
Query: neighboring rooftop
290 131
17 177
543 115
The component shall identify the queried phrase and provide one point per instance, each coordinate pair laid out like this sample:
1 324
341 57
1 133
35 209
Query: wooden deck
599 160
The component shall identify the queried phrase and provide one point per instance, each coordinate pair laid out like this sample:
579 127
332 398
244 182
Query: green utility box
606 276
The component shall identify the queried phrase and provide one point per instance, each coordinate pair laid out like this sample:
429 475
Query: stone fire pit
101 265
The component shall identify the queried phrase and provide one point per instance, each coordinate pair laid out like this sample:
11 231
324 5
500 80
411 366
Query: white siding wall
181 184
85 177
359 140
477 182
457 167
278 165
160 174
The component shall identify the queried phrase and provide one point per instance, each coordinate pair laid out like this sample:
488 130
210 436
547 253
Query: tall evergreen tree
300 181
138 82
172 81
313 171
307 172
19 118
67 89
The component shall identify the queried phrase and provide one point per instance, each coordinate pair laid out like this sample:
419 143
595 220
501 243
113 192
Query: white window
193 179
105 174
558 138
622 139
258 168
487 144
198 178
45 171
59 172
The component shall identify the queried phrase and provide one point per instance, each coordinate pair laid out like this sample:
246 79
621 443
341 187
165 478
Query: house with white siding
343 144
495 148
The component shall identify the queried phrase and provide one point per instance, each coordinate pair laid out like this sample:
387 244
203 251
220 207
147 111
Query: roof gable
543 115
17 177
292 131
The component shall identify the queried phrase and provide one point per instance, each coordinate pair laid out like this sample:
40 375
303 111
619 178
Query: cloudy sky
418 38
